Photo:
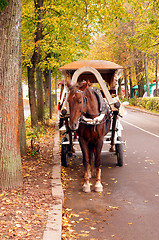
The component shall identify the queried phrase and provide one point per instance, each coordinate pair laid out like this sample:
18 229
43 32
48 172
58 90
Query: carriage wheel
61 122
119 152
64 153
69 151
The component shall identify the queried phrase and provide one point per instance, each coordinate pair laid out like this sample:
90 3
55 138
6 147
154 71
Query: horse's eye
79 101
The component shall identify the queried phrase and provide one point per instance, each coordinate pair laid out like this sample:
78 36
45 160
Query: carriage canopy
109 71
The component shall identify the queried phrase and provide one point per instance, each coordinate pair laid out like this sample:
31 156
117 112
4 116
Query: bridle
101 118
85 101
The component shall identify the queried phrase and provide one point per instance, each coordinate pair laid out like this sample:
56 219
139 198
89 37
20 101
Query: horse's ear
84 86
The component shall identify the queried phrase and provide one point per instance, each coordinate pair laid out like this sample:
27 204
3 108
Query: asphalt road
128 208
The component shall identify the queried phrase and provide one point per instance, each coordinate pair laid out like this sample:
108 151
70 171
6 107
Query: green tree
3 4
53 32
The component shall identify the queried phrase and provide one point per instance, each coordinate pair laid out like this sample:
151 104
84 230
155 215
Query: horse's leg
85 151
91 162
98 149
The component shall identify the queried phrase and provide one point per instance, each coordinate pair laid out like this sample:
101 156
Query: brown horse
91 127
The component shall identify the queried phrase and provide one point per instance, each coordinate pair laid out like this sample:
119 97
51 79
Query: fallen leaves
92 228
113 207
24 211
83 235
67 232
87 220
108 193
149 161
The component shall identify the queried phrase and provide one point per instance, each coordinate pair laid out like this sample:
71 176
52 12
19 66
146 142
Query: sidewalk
142 110
54 223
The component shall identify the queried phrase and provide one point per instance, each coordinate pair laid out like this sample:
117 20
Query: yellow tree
129 29
65 33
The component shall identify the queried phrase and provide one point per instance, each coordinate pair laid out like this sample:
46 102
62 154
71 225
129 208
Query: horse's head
77 103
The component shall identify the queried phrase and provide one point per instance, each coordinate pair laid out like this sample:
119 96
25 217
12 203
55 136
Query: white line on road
141 129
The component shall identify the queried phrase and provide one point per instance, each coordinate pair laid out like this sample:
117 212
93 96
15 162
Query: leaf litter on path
24 211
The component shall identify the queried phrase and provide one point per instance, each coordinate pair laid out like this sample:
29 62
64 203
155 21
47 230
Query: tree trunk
39 37
32 98
119 88
130 83
39 91
22 132
139 72
46 89
10 160
146 75
156 75
125 84
141 87
35 60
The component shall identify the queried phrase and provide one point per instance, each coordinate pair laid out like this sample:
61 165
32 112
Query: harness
105 112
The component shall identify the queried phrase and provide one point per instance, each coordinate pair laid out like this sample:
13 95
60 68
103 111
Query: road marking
141 129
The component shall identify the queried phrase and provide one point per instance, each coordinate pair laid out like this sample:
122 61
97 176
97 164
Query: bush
147 103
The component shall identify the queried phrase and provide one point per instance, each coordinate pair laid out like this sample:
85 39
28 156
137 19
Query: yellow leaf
83 235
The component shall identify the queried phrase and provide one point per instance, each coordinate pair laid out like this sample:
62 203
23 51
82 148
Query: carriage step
105 141
103 151
79 152
67 143
63 128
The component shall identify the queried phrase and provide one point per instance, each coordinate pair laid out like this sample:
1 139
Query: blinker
64 111
85 99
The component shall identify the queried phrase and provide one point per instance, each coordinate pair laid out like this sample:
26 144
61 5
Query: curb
54 223
141 110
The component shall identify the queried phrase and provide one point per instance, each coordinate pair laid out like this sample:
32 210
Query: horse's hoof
98 187
86 188
112 149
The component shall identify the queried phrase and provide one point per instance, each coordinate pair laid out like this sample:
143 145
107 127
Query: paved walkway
54 224
142 110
